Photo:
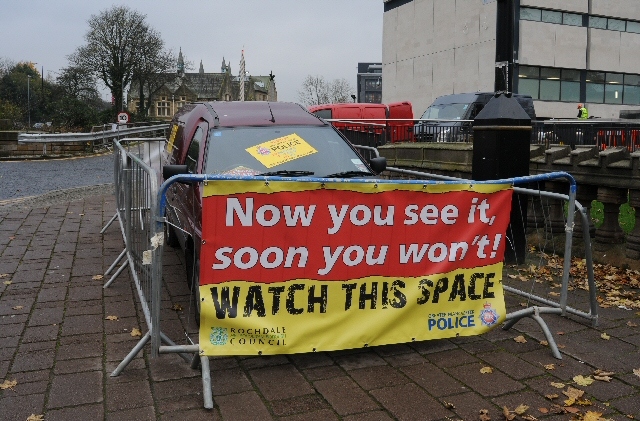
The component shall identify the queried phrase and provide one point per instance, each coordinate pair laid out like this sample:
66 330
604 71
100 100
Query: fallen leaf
34 417
631 324
521 409
636 372
17 307
4 275
583 381
592 416
176 307
448 405
7 282
550 367
543 410
572 410
486 370
551 396
603 378
558 385
484 415
605 336
508 416
603 373
584 402
544 343
573 394
135 332
8 384
512 276
97 277
111 318
520 339
529 418
560 333
554 294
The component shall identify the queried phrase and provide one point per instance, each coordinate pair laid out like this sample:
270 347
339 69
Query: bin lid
502 110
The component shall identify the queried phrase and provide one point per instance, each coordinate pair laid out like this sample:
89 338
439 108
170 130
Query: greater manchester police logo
488 316
219 336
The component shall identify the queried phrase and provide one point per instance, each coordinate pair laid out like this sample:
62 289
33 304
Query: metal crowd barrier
141 203
136 186
548 306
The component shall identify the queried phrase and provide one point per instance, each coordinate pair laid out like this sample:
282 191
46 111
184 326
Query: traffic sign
123 117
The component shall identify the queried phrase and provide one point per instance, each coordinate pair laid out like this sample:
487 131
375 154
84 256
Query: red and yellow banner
288 267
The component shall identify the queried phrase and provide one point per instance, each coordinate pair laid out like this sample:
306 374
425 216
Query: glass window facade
576 19
553 84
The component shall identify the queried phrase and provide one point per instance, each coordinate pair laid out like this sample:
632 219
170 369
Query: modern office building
560 52
369 82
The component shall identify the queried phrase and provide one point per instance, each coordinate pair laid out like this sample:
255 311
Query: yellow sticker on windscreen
283 149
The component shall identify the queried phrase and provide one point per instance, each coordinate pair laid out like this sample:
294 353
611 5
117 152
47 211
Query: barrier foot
169 342
534 313
113 218
115 262
115 275
206 383
131 355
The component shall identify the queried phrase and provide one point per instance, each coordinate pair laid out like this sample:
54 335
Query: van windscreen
445 112
247 151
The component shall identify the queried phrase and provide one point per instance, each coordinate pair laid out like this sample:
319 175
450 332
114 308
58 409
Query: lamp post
29 99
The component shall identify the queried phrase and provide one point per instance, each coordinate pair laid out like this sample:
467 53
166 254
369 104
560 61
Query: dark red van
218 138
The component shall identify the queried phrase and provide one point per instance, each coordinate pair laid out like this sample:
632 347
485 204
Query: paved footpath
59 348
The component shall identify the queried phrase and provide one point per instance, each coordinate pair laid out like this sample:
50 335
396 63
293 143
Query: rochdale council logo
219 336
488 316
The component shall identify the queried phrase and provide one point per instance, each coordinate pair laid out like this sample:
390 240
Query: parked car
448 118
386 122
218 138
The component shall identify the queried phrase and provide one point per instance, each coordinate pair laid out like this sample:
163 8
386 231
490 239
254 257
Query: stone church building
200 87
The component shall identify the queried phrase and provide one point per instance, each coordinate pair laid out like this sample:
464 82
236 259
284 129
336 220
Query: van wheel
170 237
193 280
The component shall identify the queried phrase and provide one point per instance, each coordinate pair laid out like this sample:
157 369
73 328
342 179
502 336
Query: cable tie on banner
156 241
568 228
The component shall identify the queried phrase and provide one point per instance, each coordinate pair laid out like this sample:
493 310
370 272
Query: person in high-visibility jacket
583 113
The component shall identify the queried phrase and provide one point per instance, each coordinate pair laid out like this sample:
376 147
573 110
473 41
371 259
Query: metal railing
594 132
95 138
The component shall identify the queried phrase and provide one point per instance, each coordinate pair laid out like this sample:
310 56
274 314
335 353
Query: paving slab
57 344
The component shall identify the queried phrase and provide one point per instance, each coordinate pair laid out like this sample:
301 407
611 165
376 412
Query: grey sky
292 38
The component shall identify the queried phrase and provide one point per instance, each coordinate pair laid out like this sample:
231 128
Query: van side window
194 151
326 114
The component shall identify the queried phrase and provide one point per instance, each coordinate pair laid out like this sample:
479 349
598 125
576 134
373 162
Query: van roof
261 113
466 98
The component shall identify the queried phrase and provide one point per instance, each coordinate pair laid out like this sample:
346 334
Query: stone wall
10 148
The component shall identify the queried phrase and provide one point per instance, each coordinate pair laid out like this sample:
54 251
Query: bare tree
156 66
316 90
116 43
340 91
6 65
